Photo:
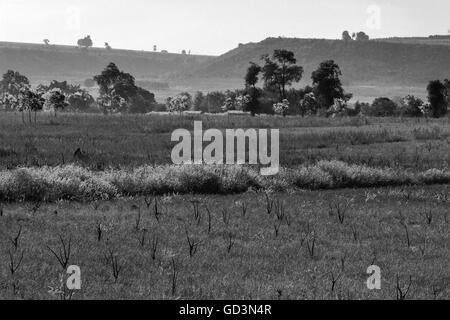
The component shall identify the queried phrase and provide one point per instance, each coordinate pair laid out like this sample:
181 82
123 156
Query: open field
301 249
353 192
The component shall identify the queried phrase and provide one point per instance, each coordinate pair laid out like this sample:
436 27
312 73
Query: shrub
382 107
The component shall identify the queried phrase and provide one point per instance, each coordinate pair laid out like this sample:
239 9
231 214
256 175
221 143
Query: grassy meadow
352 192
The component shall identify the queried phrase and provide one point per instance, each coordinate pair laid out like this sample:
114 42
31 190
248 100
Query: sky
211 26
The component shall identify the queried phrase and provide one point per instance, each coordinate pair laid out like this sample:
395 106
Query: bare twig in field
15 240
244 207
311 239
113 260
156 210
277 226
197 215
230 242
280 211
225 217
148 201
428 216
209 219
64 251
408 239
14 265
137 224
142 238
269 204
437 290
193 245
154 246
355 232
99 230
174 277
334 279
402 293
340 209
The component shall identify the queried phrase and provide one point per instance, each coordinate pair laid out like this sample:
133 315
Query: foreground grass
242 251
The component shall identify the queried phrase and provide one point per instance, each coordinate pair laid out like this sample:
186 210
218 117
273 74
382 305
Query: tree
346 36
30 101
251 78
362 36
55 100
281 108
280 71
11 86
412 106
13 82
199 103
382 107
119 93
86 42
46 42
179 103
327 84
436 96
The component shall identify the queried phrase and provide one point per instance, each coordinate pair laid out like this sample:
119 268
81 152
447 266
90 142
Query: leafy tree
362 36
80 100
412 106
327 84
199 103
382 107
309 104
281 108
280 71
215 100
86 42
13 82
251 78
436 96
55 100
30 101
119 93
346 36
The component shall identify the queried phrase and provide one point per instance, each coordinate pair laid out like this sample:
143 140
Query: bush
382 107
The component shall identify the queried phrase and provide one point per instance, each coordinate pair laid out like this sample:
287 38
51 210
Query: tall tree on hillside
327 84
362 36
252 76
280 71
346 36
436 96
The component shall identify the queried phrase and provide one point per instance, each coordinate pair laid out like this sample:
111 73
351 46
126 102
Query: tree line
276 74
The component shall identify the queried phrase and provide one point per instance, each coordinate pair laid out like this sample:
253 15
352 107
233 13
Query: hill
42 63
377 62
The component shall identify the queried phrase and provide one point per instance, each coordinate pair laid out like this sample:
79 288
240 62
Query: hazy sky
213 26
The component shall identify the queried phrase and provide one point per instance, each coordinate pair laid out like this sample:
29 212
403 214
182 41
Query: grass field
383 199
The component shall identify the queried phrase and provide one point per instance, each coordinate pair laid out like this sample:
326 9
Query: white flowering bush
76 183
179 103
9 101
281 108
